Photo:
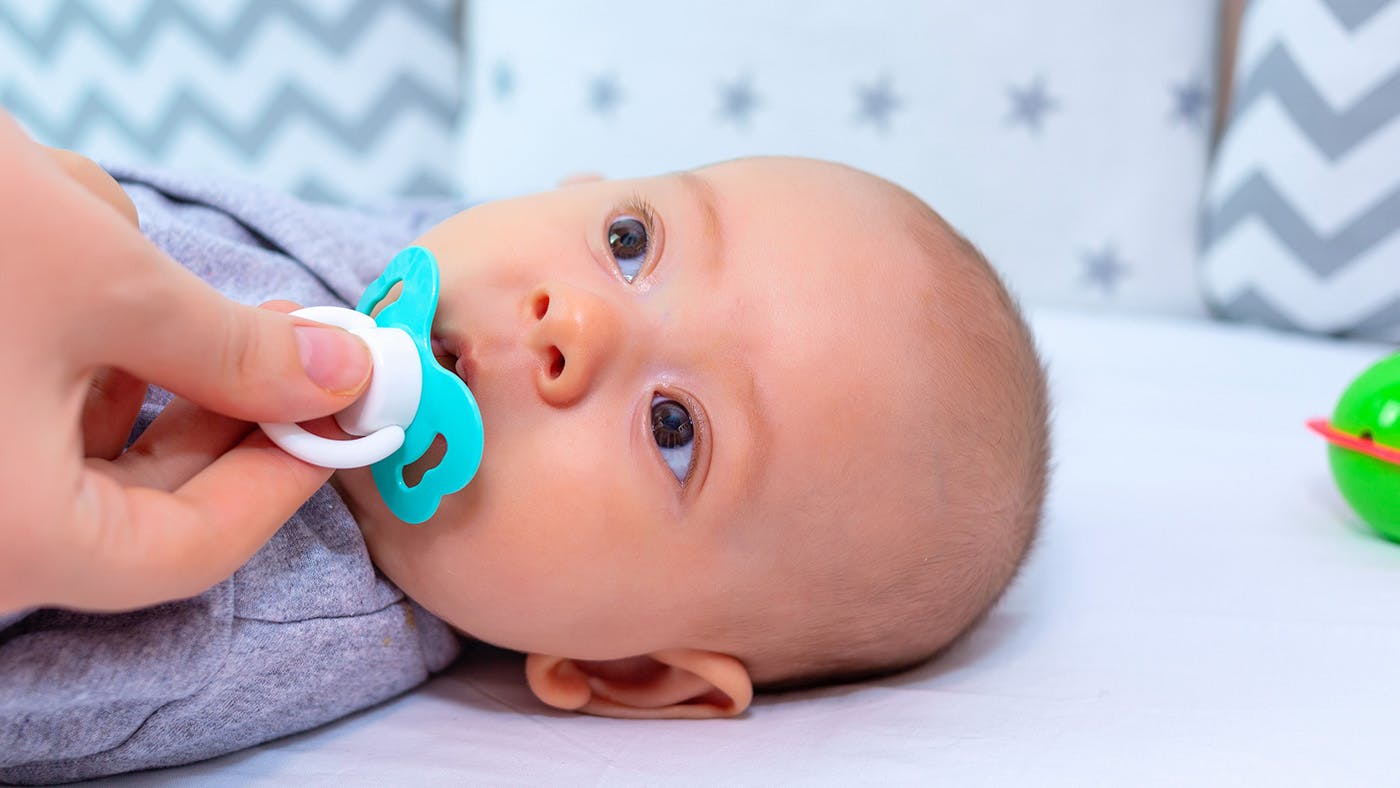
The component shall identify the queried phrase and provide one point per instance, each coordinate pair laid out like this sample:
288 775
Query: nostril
540 305
556 363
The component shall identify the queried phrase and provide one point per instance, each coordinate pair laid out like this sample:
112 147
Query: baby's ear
683 683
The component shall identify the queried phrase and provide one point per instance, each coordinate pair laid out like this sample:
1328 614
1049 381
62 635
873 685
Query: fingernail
335 360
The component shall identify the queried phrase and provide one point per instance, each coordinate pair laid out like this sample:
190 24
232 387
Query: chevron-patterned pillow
329 98
1302 208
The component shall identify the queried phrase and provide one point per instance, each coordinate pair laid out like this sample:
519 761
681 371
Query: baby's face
684 380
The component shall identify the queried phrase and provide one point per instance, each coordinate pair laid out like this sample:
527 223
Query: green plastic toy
1364 450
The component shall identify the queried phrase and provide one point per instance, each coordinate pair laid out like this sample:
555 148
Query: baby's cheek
356 488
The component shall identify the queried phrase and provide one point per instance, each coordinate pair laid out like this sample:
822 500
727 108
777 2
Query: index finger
129 547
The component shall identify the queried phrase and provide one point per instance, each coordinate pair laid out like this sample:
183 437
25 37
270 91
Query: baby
765 424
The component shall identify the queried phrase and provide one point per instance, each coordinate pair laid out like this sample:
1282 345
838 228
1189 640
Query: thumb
106 296
248 363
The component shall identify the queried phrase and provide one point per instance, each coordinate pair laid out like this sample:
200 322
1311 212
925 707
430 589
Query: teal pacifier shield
446 408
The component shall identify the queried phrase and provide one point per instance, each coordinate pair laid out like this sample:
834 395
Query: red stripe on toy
1364 445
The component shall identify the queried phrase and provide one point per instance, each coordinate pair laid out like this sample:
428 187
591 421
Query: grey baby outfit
307 631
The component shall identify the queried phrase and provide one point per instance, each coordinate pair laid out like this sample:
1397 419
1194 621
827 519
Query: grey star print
604 95
1030 105
875 102
737 101
1104 269
502 81
1189 103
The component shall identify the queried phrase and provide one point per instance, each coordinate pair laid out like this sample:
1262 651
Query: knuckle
243 354
112 387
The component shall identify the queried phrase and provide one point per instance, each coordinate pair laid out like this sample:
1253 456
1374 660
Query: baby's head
767 423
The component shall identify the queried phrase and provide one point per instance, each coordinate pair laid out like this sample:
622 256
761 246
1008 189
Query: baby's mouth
450 360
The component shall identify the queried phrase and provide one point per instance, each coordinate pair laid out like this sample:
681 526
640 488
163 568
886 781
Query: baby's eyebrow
755 473
711 228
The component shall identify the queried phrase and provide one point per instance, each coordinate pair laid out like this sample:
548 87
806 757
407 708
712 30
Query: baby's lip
454 356
466 370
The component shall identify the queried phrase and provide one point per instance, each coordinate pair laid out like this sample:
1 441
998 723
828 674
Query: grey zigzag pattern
1333 132
1355 13
1249 305
188 108
1322 254
228 41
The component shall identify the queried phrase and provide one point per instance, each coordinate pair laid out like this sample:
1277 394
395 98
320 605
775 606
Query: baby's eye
627 239
674 434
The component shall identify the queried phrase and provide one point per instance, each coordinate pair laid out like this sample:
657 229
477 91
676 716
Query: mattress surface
1201 608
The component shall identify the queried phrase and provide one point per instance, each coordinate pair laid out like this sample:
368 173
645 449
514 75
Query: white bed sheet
1201 608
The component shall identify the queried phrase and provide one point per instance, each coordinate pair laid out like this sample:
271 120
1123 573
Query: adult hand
95 312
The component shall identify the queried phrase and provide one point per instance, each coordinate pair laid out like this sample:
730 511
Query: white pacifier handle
329 453
380 415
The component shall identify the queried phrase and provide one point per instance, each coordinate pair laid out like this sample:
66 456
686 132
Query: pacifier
410 401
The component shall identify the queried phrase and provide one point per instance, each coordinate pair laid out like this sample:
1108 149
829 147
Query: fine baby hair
410 401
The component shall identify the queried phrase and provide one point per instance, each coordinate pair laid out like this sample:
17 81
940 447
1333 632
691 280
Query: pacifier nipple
380 416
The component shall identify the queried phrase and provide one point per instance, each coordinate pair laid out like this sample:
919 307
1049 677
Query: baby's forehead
828 263
811 179
820 289
846 388
854 224
865 222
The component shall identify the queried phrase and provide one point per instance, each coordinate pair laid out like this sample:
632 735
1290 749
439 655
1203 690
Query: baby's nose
574 335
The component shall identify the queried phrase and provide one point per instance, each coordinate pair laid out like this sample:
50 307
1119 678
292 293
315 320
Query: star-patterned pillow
1068 140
